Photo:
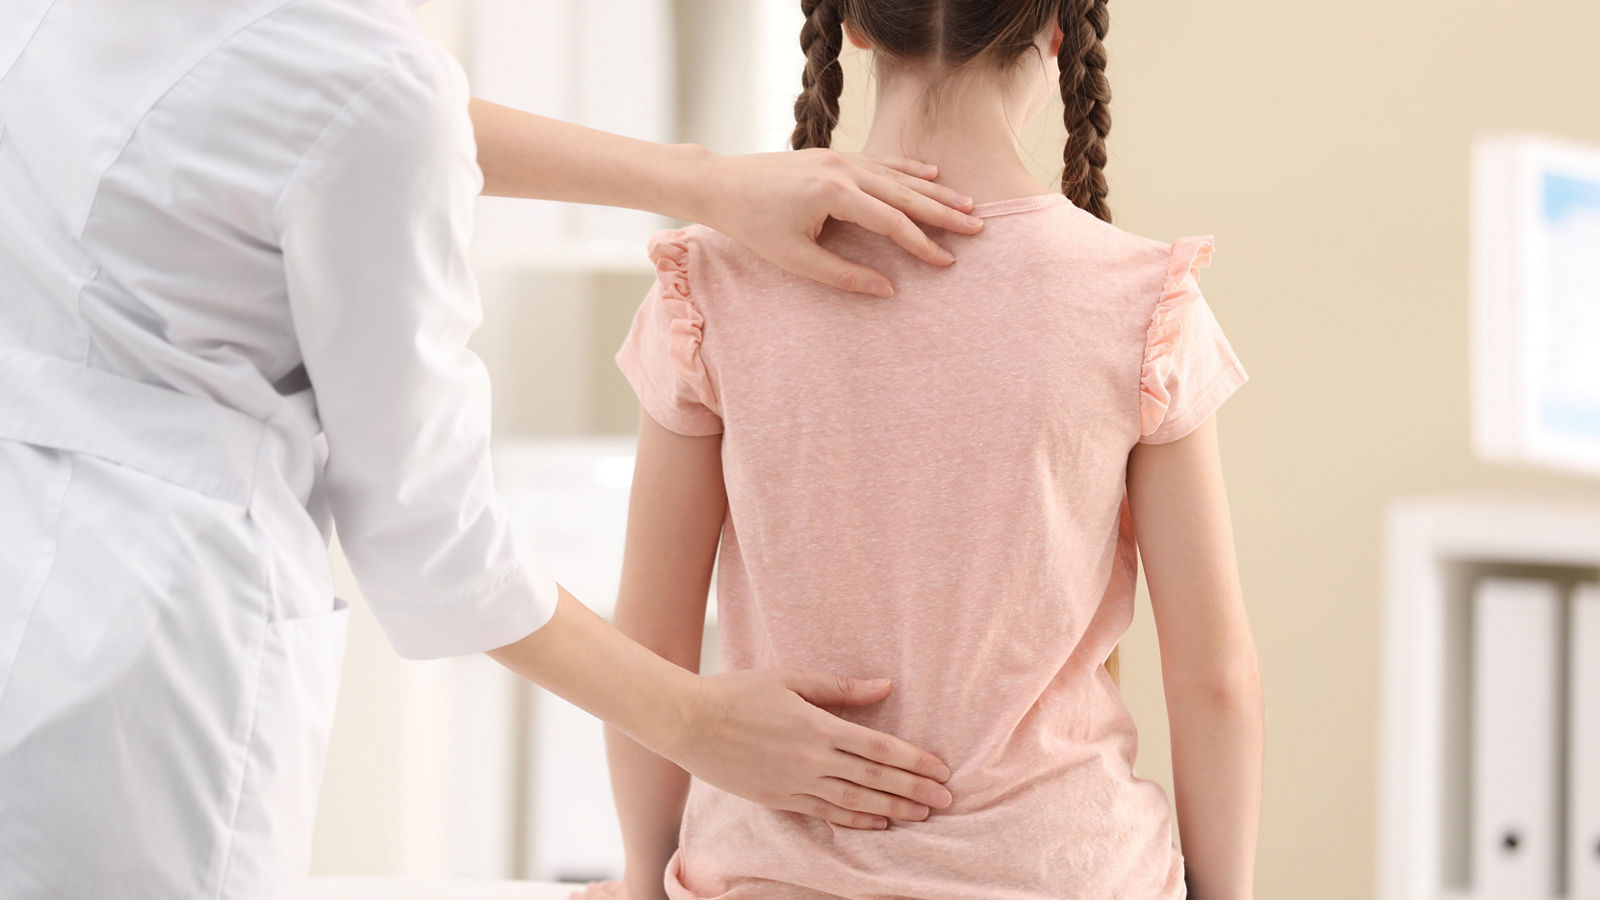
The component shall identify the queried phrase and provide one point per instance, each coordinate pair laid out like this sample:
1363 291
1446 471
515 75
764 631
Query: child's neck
969 133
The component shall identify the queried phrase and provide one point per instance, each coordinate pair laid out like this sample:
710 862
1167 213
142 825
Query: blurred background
1330 149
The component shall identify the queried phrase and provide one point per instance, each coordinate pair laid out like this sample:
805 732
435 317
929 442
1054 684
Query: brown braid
816 111
1087 95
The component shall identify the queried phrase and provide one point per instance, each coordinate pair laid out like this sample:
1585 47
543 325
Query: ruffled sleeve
661 356
1189 368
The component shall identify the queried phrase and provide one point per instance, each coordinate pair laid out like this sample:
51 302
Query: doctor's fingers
813 262
887 751
848 794
863 207
914 167
924 201
917 175
821 808
849 766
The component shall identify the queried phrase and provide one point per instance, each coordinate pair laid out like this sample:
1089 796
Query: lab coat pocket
297 690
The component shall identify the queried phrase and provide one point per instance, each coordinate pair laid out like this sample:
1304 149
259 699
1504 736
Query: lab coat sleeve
375 225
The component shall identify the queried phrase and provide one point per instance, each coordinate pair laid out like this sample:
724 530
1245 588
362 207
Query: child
947 488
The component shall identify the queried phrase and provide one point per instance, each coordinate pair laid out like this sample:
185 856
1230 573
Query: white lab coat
234 302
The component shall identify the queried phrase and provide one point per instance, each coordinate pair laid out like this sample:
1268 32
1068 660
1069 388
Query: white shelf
1550 531
1437 548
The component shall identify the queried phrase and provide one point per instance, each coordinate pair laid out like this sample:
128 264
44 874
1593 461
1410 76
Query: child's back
932 488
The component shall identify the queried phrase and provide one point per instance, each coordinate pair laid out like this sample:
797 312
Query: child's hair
954 33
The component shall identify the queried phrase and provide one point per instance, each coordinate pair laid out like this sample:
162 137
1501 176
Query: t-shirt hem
656 404
1202 406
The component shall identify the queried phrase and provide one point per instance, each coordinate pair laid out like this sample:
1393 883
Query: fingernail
947 256
931 169
942 774
974 221
885 290
942 798
881 824
874 684
966 202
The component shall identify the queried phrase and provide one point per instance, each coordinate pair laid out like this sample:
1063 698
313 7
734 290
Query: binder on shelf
1583 754
1517 720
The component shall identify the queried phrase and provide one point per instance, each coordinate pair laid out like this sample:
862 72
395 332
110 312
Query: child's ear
857 38
1057 36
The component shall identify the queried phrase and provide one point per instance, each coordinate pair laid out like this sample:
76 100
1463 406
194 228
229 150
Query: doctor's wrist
685 184
670 725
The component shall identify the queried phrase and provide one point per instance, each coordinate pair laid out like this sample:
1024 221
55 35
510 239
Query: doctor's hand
761 735
773 203
776 204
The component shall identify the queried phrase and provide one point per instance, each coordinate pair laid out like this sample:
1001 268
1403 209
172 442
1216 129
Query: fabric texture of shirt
265 203
932 488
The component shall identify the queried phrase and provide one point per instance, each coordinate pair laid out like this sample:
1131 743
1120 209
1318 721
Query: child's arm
1209 666
675 515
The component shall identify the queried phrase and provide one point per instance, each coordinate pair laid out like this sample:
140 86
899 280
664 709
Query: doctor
234 306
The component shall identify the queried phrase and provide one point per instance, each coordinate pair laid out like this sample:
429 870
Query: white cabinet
1439 551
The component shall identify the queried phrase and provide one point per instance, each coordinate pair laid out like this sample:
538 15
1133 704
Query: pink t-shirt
931 488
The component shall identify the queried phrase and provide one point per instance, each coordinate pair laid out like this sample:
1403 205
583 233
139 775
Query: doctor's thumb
837 690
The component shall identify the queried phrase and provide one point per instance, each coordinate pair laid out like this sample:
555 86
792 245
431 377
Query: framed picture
1536 303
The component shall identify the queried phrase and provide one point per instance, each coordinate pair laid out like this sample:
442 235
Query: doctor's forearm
579 656
524 155
772 203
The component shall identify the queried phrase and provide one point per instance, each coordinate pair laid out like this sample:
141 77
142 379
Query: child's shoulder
1145 272
701 264
1060 226
1076 231
1028 235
